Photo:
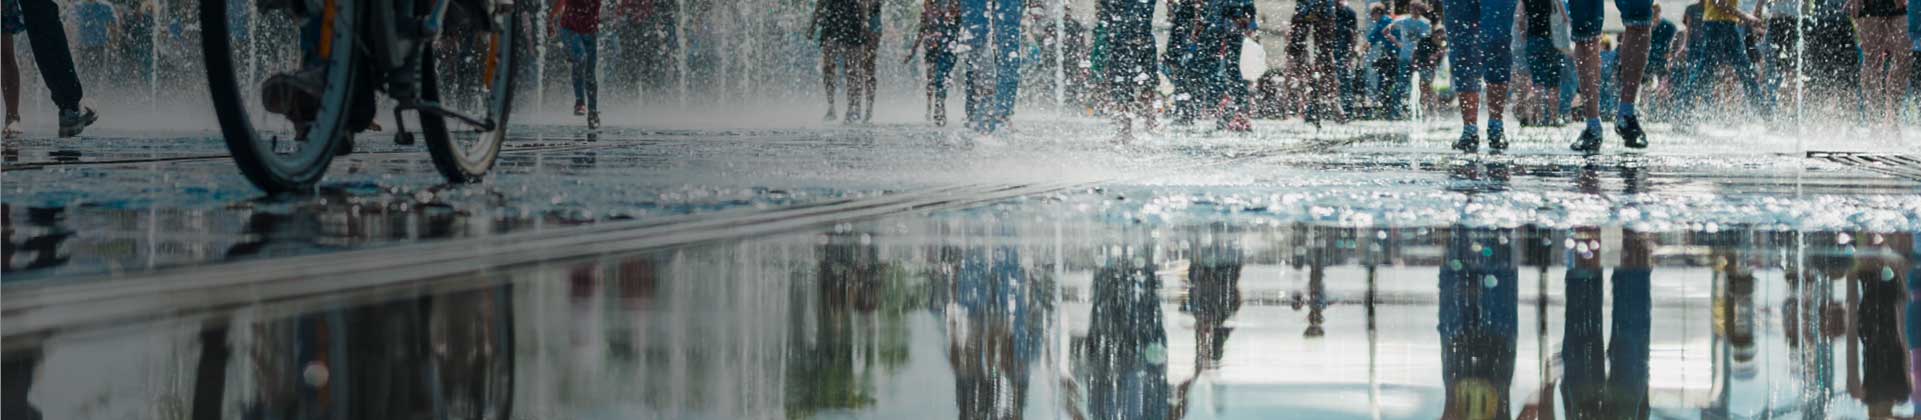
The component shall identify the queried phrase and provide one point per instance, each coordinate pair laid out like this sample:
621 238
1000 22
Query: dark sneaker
295 95
1629 127
1589 142
1496 139
593 119
74 120
1470 142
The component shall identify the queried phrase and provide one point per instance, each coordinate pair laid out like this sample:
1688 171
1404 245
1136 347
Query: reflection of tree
851 335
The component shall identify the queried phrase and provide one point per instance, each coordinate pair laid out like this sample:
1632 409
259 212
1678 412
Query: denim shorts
1544 63
1586 16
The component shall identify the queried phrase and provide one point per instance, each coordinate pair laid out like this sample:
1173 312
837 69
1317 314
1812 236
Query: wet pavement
901 271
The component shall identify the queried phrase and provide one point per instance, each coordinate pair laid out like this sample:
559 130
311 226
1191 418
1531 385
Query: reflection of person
1612 386
1877 271
1477 315
45 247
1213 297
1125 355
994 338
16 381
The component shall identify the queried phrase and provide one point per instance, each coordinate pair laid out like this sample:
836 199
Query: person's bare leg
10 79
827 77
1496 102
1635 43
1587 61
1874 57
1470 108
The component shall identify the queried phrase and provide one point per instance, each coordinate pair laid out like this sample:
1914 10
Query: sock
1494 126
1625 110
1594 124
1469 130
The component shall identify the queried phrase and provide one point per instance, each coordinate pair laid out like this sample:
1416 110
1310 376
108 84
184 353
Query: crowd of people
1837 59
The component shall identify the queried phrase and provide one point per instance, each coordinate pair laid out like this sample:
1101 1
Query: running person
939 26
41 19
1638 17
1883 56
1721 44
579 24
10 24
1127 68
1479 32
842 38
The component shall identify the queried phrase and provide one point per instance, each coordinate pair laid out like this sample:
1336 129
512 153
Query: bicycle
351 48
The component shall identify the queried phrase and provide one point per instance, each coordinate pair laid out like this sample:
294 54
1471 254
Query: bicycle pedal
404 138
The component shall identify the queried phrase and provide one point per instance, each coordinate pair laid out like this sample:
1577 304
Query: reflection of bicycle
440 59
448 356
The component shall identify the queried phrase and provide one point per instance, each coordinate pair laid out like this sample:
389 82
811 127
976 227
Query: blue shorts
1544 63
11 22
1586 15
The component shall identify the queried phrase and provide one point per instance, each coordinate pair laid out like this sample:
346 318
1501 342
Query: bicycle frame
400 40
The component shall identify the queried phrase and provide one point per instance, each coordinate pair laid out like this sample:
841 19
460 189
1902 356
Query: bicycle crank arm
435 109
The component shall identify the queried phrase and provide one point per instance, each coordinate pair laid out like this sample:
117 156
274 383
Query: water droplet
1490 281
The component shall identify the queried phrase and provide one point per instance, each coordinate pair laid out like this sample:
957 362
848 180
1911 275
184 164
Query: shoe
74 120
830 115
1496 139
295 95
12 129
593 119
1629 127
1470 142
1589 142
580 108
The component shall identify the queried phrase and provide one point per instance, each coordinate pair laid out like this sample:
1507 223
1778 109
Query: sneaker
1629 127
1470 142
830 115
593 119
580 108
1589 142
12 129
74 120
295 95
1496 138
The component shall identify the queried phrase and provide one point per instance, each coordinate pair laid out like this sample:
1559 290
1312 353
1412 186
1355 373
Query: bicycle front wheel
471 71
281 86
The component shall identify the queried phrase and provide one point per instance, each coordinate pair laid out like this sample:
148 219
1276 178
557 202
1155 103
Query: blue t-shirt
95 18
1410 31
1914 26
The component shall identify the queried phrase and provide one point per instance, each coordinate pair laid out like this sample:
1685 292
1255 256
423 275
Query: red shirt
580 16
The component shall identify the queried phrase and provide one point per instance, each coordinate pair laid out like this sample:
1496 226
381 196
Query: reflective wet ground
899 272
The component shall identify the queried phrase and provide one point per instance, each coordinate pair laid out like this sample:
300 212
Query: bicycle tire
470 163
265 167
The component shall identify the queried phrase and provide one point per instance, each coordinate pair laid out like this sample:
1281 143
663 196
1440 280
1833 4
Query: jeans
1479 31
940 63
1722 44
1616 389
1585 16
582 53
50 53
992 33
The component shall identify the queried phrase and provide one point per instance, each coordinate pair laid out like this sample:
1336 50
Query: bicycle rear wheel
470 71
243 48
